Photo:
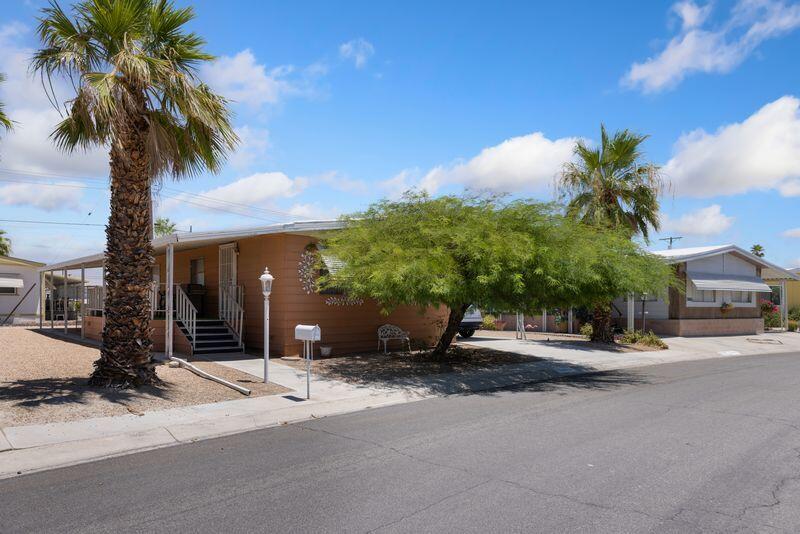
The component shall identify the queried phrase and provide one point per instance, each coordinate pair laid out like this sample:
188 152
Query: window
741 296
197 271
8 290
698 295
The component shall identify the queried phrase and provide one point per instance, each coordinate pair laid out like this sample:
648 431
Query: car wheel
466 332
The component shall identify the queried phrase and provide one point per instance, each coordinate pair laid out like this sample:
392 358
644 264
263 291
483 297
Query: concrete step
215 350
216 343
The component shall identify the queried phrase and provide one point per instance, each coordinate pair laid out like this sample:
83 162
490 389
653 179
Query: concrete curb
33 448
21 461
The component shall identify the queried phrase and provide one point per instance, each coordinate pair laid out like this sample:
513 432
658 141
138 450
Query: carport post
784 307
83 301
169 316
52 299
66 299
569 321
632 313
544 319
41 299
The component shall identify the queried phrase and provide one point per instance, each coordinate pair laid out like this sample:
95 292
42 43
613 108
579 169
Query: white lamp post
266 288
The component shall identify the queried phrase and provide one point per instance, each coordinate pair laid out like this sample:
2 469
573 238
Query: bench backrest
389 331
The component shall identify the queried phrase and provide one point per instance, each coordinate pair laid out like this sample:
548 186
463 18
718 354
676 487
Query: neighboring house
18 280
719 294
791 288
218 301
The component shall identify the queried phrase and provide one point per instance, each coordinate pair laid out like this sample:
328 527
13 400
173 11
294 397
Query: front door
227 268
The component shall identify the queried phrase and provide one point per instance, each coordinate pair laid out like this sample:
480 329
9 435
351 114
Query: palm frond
611 185
134 65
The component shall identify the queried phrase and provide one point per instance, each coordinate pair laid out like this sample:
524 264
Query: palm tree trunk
125 359
601 324
450 331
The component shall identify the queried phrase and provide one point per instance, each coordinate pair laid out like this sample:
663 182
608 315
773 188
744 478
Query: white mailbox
307 332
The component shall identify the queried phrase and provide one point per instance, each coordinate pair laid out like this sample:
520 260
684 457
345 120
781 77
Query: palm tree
5 122
5 244
134 69
163 226
757 250
610 185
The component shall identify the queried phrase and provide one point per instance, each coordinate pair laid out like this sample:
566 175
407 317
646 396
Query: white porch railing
186 313
231 310
158 305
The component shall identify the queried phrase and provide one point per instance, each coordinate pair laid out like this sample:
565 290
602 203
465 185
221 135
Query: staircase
213 336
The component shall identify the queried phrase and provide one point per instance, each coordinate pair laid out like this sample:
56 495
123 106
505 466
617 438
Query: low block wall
699 327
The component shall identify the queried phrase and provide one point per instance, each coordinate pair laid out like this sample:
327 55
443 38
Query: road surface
711 446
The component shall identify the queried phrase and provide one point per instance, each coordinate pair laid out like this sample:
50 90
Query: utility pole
670 240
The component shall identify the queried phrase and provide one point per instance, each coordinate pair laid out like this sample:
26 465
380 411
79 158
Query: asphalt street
707 446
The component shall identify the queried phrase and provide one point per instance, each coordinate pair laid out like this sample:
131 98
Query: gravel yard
43 380
377 367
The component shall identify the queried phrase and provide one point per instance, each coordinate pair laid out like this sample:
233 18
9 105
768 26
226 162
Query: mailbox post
308 334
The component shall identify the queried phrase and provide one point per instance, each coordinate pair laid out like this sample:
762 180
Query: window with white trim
745 297
698 295
9 290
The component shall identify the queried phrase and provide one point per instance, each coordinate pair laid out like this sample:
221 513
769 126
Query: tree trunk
601 324
450 331
125 359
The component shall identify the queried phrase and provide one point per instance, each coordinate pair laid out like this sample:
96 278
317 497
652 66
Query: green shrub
792 325
650 339
488 322
794 313
587 330
772 319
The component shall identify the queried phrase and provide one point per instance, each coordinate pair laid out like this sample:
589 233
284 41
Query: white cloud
705 222
28 146
61 196
400 183
258 190
313 212
340 182
242 79
760 153
359 50
717 50
792 232
525 163
691 14
252 148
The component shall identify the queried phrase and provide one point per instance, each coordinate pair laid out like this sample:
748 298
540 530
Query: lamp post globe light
266 288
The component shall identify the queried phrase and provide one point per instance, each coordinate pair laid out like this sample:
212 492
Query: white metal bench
389 332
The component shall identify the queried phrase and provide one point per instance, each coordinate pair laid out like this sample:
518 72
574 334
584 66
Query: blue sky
339 104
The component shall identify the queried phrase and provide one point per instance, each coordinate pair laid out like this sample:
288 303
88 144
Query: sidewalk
25 449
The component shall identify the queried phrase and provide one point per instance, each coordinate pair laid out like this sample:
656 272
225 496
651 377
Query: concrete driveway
680 349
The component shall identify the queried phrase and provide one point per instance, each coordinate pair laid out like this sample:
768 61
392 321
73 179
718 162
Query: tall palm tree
134 69
5 244
757 250
610 185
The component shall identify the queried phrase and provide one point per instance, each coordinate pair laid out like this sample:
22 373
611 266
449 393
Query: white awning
11 281
728 282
